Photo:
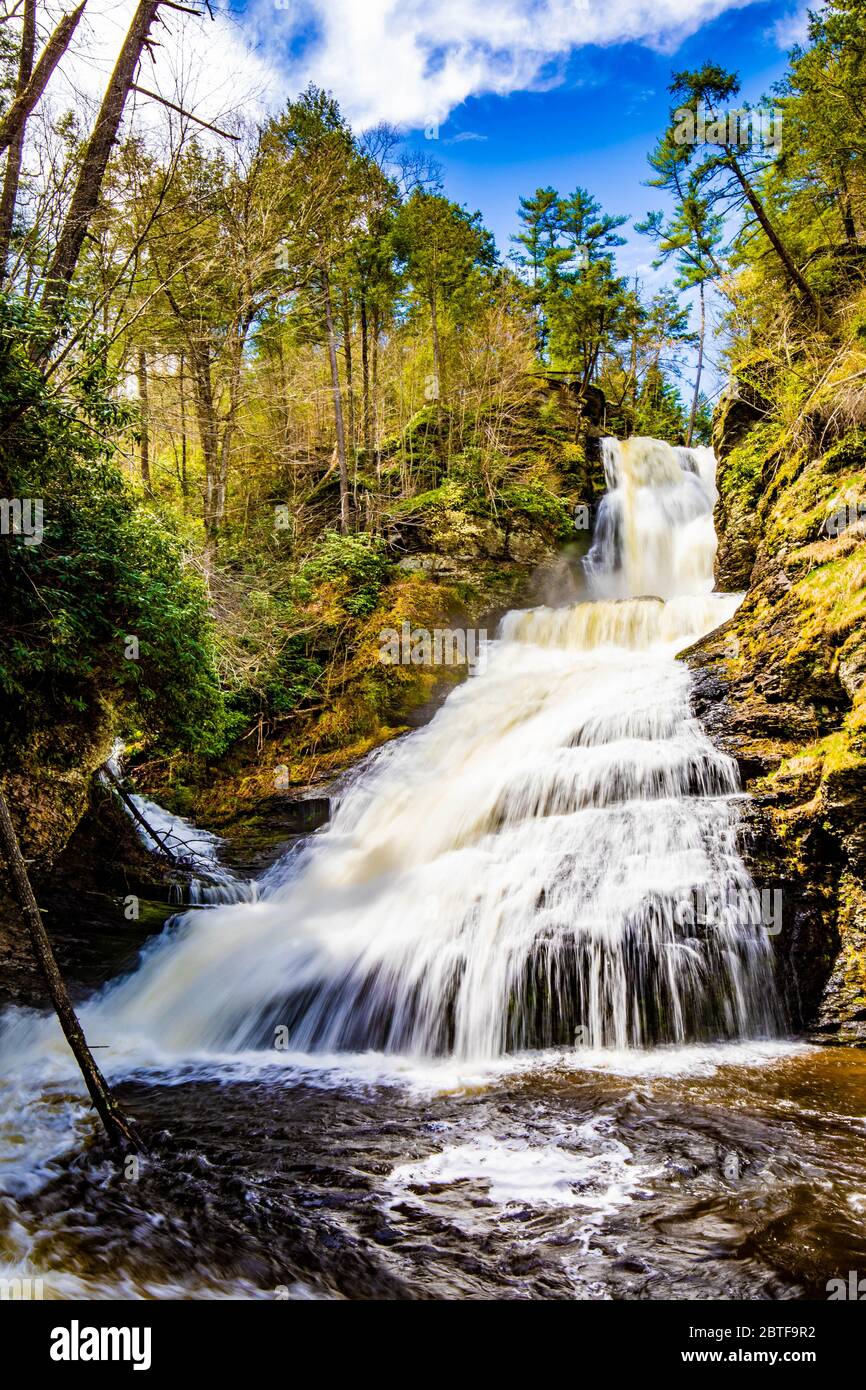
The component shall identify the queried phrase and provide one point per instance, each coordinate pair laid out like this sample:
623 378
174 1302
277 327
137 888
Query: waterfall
552 859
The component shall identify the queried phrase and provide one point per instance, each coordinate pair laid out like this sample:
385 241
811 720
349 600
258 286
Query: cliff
781 687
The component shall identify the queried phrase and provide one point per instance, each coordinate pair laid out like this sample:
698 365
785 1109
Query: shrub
358 566
106 570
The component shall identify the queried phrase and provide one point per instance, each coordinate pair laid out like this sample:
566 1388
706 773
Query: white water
196 850
524 870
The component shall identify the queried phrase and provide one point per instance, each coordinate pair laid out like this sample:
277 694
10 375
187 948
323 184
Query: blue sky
520 98
524 93
594 129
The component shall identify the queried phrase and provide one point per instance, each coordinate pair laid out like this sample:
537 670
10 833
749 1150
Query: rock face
781 689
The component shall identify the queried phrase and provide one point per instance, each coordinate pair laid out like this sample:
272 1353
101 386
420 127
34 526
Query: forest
246 371
256 363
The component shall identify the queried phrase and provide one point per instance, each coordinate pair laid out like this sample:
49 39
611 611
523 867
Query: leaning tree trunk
794 277
117 1126
12 176
28 96
96 156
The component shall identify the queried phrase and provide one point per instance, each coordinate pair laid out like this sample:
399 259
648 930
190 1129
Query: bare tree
96 156
16 144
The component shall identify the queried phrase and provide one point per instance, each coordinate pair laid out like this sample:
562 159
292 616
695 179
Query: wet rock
779 688
296 815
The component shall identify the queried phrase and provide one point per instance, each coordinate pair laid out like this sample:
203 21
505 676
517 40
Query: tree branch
16 117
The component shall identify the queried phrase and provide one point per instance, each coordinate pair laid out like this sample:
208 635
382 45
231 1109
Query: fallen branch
136 814
118 1128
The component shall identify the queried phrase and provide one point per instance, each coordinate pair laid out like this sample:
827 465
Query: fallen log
117 1126
137 816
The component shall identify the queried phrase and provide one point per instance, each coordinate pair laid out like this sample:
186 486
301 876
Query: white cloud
412 62
409 62
793 28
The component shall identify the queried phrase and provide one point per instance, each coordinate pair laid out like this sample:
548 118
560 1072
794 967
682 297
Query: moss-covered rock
781 688
366 699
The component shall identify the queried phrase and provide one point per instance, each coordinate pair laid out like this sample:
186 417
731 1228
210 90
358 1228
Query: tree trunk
9 195
350 377
338 405
350 394
208 433
145 426
845 207
367 422
437 349
696 396
182 389
15 119
633 371
133 810
117 1126
96 156
792 273
374 391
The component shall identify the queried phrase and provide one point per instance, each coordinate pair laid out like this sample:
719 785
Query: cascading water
553 857
377 1047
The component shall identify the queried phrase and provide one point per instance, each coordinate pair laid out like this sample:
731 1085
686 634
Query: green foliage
848 455
291 682
442 248
357 565
660 413
741 475
546 512
105 571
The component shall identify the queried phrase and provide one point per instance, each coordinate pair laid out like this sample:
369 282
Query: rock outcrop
781 689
